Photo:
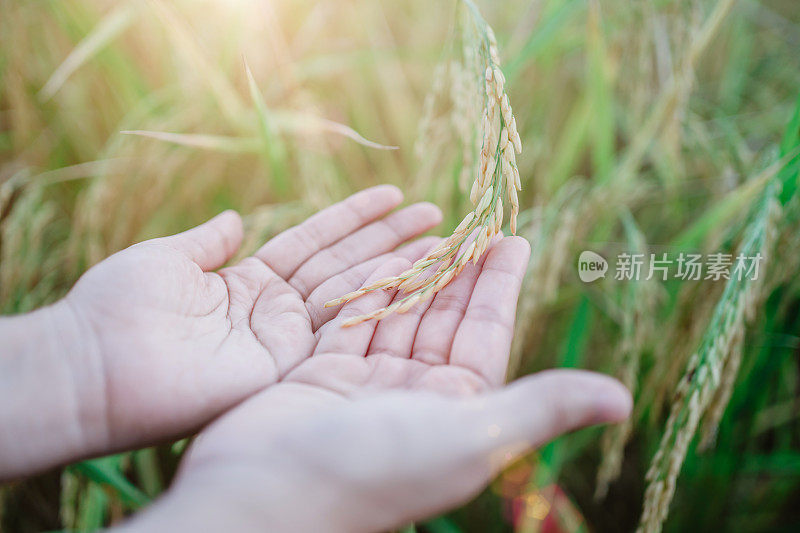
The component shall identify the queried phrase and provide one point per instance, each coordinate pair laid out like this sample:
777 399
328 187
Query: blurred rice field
658 126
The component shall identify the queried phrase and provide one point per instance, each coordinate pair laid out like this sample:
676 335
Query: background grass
658 126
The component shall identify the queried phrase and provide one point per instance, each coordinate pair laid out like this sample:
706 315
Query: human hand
387 422
157 343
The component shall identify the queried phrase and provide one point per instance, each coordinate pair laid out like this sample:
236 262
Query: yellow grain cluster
497 174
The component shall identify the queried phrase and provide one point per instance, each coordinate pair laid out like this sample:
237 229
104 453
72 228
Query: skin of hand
386 422
154 341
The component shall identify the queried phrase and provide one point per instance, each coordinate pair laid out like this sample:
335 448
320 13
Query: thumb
426 454
211 244
538 408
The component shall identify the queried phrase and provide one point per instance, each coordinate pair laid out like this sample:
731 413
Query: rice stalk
639 310
723 394
28 272
452 108
497 174
68 499
273 144
782 209
692 311
553 230
703 375
465 94
186 44
439 78
668 101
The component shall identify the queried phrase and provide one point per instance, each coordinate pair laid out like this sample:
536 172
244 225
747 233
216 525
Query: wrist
52 408
246 498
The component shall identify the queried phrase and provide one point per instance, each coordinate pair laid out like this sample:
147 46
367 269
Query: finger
536 409
286 252
487 432
395 334
493 430
211 244
483 340
440 322
355 339
374 239
353 278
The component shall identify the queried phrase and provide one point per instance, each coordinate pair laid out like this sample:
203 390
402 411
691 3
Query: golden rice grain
496 173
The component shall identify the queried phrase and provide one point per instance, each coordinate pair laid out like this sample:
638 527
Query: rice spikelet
703 376
496 173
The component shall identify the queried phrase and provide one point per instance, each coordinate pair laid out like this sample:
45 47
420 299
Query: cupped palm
173 342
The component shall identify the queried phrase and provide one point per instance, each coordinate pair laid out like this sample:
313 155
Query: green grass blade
789 148
542 39
112 25
219 143
600 89
442 525
274 146
106 471
571 143
148 471
578 335
92 508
